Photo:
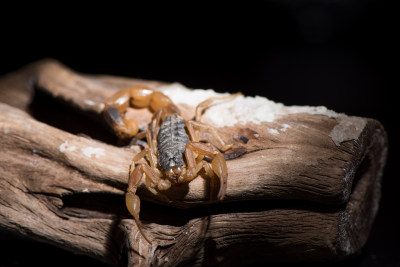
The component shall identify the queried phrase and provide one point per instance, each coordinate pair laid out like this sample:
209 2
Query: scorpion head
175 174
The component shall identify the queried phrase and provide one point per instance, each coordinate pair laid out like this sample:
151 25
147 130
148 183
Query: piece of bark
309 193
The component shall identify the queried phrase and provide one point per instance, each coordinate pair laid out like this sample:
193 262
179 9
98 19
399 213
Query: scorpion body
172 140
174 152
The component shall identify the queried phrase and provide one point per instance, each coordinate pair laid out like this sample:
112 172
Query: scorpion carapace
174 152
172 140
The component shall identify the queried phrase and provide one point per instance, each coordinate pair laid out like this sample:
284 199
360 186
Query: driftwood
305 194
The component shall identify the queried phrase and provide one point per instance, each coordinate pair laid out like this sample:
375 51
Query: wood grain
295 196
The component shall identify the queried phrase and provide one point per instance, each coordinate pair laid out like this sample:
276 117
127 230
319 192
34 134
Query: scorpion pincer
174 152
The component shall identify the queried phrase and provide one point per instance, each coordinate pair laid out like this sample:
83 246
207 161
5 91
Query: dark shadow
98 205
58 113
94 205
18 250
116 243
210 255
354 261
175 192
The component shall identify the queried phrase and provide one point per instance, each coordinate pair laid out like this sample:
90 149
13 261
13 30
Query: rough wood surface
301 195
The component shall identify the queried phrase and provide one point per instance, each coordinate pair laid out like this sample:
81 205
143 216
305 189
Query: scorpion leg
208 102
196 124
193 167
200 108
218 163
137 137
152 152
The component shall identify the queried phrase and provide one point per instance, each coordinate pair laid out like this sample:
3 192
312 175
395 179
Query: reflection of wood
293 196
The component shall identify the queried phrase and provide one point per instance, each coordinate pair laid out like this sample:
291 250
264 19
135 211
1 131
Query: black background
340 54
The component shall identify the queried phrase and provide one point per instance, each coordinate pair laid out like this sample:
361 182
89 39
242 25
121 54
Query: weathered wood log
308 187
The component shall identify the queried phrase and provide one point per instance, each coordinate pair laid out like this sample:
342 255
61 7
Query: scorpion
174 151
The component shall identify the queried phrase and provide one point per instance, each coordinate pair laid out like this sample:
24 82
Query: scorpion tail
133 204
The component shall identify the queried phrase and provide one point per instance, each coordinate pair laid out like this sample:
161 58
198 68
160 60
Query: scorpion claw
219 167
